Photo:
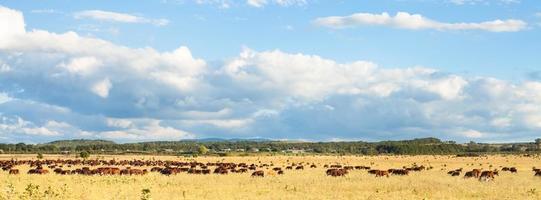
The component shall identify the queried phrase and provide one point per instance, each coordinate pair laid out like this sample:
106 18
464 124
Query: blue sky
282 69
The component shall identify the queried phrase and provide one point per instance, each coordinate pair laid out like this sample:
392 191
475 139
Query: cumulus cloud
118 17
404 20
64 85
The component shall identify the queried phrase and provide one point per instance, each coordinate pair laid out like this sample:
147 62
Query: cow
473 173
38 171
13 171
258 174
537 173
513 170
487 175
401 172
336 172
455 173
380 173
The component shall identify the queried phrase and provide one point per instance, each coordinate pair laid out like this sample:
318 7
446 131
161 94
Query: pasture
307 183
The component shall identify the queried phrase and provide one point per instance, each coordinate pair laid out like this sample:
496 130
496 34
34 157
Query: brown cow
381 173
336 172
13 171
473 173
537 173
258 173
487 175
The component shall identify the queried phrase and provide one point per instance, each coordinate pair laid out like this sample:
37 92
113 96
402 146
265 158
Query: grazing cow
401 172
13 171
38 171
258 173
487 175
537 173
336 172
381 173
300 167
473 173
220 170
513 170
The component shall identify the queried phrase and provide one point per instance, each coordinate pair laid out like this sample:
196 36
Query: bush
84 154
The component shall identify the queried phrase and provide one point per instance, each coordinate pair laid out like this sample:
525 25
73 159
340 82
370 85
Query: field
310 183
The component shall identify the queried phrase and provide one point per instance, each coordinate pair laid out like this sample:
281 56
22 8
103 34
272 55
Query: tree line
422 146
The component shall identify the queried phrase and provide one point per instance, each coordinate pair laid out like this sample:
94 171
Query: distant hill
79 142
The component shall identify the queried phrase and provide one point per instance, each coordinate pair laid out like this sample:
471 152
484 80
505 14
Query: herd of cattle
113 167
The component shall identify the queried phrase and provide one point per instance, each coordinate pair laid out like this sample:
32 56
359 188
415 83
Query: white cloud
4 98
256 3
4 67
118 17
119 123
262 3
45 11
102 88
17 125
11 23
471 134
404 20
146 130
82 65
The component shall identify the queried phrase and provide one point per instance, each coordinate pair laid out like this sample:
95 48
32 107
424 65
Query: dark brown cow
401 172
13 171
381 173
38 171
336 172
258 173
537 173
473 173
487 175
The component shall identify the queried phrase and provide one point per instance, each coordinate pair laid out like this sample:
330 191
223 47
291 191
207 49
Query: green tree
202 149
538 143
40 156
84 154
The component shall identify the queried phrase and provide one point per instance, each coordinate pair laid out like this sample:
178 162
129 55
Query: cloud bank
404 20
64 85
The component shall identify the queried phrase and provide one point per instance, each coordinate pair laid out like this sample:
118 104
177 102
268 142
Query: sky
313 70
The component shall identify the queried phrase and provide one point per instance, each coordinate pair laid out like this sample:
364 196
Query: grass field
295 184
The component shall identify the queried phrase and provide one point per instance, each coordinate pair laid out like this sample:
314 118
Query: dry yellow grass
295 184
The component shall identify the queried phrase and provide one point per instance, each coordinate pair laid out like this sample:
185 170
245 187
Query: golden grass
295 184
